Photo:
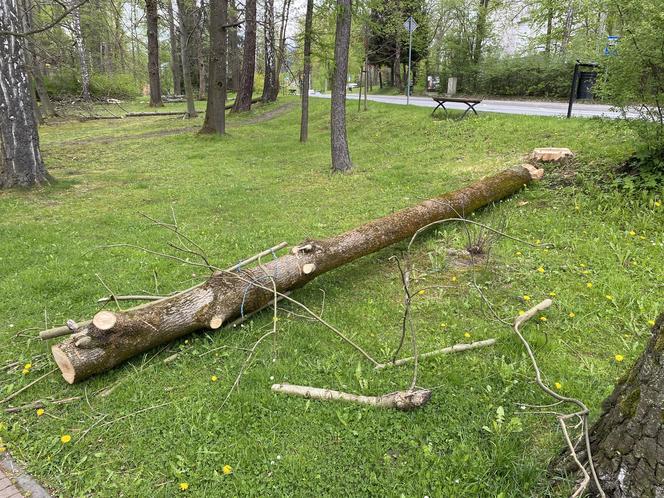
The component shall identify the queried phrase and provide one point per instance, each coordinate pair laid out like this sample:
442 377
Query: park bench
471 103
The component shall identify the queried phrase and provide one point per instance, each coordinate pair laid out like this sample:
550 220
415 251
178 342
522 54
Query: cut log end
308 268
104 320
64 364
535 173
216 322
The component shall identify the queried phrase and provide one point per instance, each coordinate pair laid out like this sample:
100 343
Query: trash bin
586 82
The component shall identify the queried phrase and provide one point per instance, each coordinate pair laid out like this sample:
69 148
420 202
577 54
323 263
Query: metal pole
572 93
410 50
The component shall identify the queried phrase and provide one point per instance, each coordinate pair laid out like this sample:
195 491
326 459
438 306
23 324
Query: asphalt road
531 108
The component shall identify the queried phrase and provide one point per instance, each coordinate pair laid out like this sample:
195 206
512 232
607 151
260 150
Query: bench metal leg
436 108
471 107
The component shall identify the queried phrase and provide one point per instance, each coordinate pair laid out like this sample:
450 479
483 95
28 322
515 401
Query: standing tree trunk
80 49
308 22
270 88
480 30
339 141
153 52
627 441
201 22
234 49
113 337
176 66
246 87
567 28
215 113
185 33
21 164
549 31
34 63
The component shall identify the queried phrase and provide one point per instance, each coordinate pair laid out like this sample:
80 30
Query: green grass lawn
160 425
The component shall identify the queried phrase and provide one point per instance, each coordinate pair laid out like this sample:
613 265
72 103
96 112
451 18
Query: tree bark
270 88
21 164
113 337
200 52
215 114
176 66
627 441
233 49
152 16
480 30
306 76
339 141
80 50
185 32
246 86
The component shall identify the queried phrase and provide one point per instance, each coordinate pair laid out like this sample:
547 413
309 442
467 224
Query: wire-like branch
50 25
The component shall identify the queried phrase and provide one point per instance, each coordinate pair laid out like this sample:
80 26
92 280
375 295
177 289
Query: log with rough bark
113 337
627 441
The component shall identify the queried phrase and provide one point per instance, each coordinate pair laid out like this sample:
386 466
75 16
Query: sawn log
113 337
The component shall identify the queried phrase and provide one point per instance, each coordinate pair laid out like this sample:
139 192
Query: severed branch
582 413
400 400
113 297
457 348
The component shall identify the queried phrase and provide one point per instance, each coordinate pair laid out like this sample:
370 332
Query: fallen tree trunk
172 113
113 337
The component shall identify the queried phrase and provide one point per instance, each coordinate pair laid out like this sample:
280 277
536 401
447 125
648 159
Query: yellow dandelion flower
214 378
552 294
521 312
571 314
558 386
619 358
543 318
28 366
40 412
227 470
651 323
184 486
589 285
64 439
25 371
538 242
582 265
518 253
454 279
526 298
642 237
609 297
632 233
466 335
657 204
2 449
443 325
540 270
420 292
585 272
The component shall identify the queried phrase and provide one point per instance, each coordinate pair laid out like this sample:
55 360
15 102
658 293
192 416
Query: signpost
410 26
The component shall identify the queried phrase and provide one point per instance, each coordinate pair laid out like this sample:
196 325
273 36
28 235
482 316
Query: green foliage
634 82
535 76
66 83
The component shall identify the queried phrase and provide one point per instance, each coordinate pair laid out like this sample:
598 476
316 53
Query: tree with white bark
21 163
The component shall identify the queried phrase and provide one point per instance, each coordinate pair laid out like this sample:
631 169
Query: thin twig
16 393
